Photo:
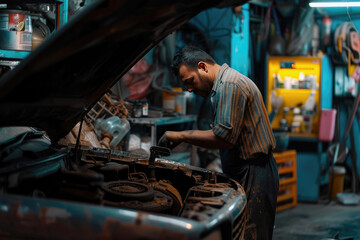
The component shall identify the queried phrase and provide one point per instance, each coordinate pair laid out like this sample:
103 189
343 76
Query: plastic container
287 82
284 124
295 127
137 111
180 104
144 109
115 126
327 125
336 180
169 99
308 123
310 102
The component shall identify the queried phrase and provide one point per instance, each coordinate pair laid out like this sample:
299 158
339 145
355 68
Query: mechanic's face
198 81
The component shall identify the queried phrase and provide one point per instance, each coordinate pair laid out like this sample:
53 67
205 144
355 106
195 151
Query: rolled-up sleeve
230 104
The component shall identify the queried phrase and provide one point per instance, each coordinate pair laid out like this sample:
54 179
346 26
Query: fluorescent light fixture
334 4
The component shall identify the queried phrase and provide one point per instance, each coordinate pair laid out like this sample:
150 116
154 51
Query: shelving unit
291 67
155 122
287 196
308 163
61 19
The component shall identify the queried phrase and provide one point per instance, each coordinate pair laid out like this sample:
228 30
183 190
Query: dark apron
260 179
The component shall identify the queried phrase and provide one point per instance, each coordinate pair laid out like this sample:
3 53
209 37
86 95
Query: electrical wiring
347 10
265 32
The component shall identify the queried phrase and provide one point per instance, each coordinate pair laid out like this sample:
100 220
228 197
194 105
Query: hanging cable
347 10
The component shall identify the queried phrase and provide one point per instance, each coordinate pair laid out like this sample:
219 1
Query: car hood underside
58 83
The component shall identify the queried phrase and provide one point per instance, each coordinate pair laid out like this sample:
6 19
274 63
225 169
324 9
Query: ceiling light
334 4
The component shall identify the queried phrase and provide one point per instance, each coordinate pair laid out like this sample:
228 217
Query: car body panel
41 218
66 204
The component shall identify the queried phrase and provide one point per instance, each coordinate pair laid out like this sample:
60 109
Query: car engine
30 167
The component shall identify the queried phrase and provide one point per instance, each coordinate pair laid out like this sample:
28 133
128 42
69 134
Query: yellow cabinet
294 79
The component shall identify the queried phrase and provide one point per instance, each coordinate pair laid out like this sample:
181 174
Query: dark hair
190 56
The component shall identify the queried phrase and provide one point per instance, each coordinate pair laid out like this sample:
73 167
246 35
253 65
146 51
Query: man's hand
169 140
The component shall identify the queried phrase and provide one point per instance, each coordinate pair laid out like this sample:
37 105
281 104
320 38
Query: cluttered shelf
155 122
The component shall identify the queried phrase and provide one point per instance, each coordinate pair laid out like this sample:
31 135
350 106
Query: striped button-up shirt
240 116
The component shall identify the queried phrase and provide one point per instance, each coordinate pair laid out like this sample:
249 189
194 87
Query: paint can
169 100
15 30
336 180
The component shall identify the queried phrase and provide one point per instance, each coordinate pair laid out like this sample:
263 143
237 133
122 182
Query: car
53 191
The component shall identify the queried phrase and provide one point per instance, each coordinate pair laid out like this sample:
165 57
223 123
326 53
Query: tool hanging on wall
344 44
239 21
347 46
347 57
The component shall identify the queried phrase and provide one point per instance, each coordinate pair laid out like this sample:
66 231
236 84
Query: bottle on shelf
297 121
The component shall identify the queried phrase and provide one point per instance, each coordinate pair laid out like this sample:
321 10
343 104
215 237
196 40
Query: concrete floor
318 221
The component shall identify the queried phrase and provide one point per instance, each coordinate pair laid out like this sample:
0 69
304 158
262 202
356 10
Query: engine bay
117 179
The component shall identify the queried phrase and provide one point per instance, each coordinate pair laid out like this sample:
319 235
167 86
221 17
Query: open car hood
58 83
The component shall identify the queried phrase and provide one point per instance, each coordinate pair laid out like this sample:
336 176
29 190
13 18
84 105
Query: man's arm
201 138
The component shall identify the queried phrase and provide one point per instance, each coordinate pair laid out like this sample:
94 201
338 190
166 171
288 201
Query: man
241 130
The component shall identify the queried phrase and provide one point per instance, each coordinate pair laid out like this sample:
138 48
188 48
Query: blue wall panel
326 83
240 58
308 181
216 26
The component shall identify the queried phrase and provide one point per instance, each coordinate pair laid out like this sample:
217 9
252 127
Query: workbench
154 123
